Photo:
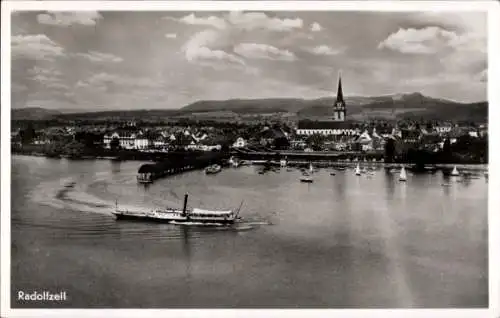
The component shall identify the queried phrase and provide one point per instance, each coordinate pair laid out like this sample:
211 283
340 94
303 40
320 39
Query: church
336 125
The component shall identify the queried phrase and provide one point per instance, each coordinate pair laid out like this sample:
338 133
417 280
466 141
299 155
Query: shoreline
320 163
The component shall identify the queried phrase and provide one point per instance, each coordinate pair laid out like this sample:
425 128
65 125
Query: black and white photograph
233 157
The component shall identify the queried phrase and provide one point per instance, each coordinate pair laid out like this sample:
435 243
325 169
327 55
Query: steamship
177 216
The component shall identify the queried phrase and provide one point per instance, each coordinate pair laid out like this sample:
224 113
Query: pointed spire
340 95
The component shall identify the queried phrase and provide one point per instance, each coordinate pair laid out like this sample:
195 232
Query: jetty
149 172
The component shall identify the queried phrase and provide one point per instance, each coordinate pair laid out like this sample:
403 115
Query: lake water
344 241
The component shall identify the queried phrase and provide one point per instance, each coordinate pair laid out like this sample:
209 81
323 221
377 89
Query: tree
447 150
27 135
390 150
316 142
114 144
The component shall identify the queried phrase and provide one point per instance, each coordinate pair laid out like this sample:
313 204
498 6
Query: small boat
70 185
340 168
402 174
311 169
306 179
213 169
289 169
455 172
357 171
332 173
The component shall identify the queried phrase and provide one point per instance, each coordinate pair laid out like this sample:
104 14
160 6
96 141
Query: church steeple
340 95
339 109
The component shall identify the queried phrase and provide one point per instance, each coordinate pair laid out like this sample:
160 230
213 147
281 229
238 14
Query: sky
165 60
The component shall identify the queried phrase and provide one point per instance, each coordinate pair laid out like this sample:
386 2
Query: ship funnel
184 207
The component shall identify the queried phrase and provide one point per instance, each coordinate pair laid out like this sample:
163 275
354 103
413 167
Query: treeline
466 150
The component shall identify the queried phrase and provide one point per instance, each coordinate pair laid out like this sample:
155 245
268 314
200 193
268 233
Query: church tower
339 109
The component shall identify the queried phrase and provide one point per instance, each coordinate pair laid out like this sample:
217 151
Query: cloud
43 71
36 47
69 18
95 56
48 77
200 48
263 51
316 27
212 21
171 35
258 20
243 20
105 80
325 50
427 40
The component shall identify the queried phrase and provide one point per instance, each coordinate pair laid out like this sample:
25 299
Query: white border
493 9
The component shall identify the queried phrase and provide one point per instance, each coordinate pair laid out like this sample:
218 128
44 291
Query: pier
308 156
149 172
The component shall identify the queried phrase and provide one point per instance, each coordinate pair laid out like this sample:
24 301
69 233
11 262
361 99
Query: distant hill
395 106
33 113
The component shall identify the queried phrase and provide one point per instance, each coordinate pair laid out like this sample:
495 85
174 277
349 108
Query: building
125 138
239 143
141 142
336 125
339 109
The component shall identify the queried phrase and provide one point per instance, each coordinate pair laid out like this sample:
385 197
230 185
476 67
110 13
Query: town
468 142
406 141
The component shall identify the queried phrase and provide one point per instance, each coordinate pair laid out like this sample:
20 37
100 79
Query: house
364 141
15 138
273 137
41 139
126 138
483 130
410 135
157 140
141 142
443 128
239 143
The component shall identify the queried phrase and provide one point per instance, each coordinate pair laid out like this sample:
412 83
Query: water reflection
390 184
186 247
115 166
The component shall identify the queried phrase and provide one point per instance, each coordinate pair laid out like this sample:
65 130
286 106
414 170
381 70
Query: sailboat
455 172
402 174
357 171
311 169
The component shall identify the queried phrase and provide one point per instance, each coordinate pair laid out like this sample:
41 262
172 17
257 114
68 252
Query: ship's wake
96 195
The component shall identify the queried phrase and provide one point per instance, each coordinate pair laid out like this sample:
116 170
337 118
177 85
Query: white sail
455 171
311 169
402 174
357 171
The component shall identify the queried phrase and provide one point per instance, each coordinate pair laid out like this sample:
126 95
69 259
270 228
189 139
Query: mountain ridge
395 106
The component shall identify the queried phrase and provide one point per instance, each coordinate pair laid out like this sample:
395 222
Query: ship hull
145 218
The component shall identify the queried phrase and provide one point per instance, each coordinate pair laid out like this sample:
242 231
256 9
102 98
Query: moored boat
213 169
455 172
306 179
357 171
402 174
